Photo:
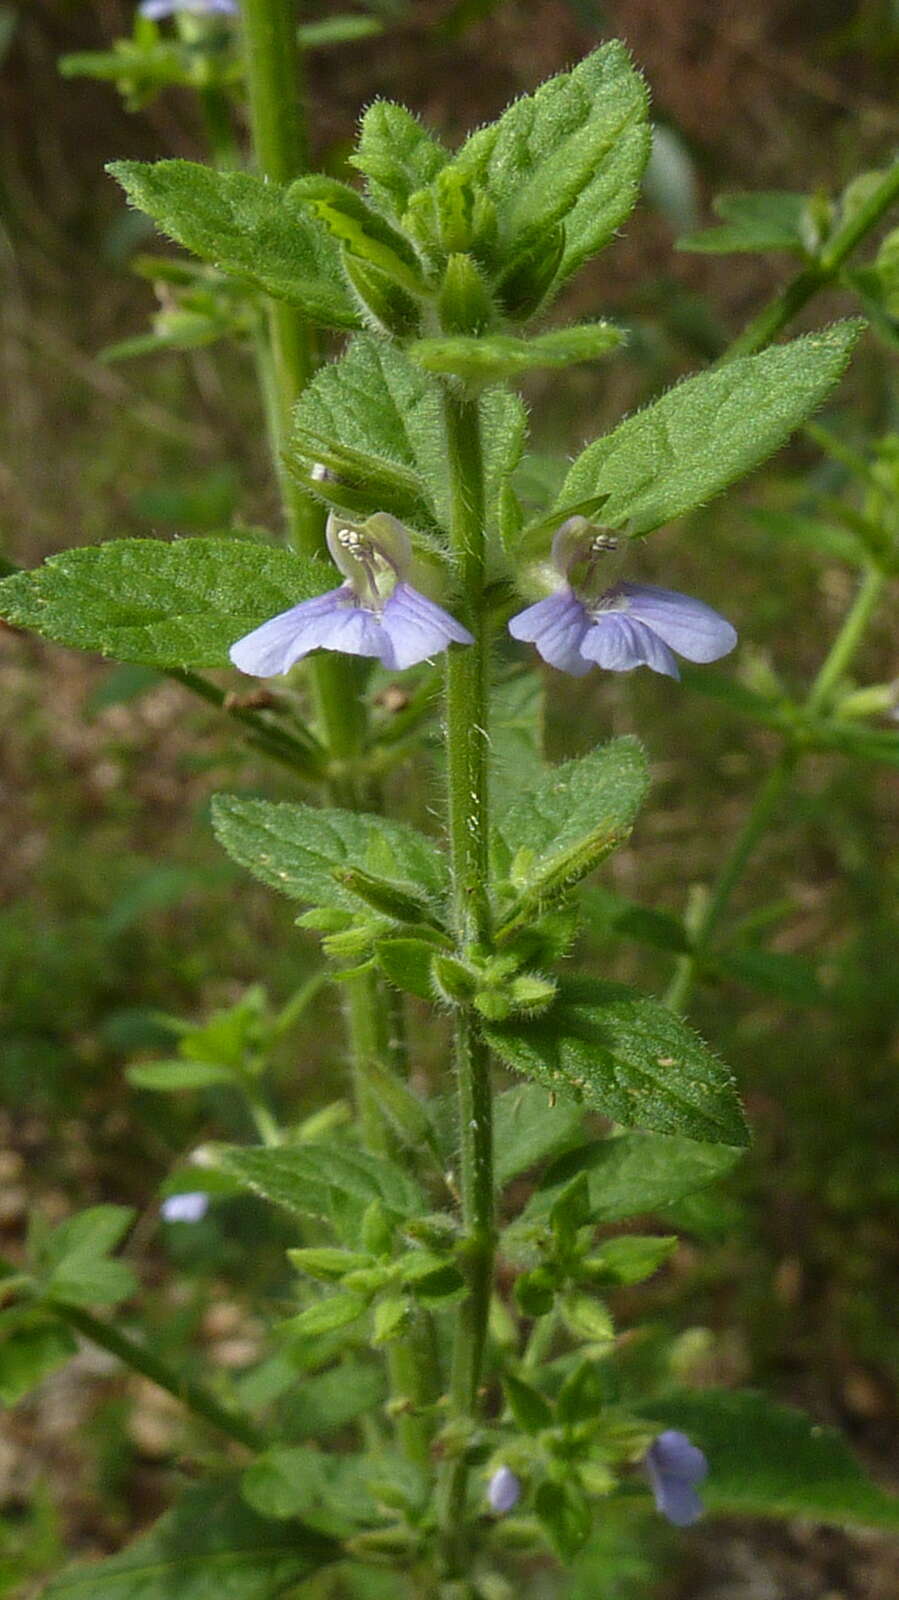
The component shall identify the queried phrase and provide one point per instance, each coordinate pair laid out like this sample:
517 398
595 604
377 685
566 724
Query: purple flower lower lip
407 629
631 625
674 1465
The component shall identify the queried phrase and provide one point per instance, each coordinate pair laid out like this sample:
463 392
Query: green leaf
708 430
209 1545
528 1128
628 1058
32 1346
163 605
295 848
632 1174
375 421
341 29
531 1411
763 220
608 914
360 229
556 833
169 1076
73 1259
325 1403
325 1316
499 356
769 1460
629 1259
247 226
312 1179
572 153
565 1513
329 1492
397 156
407 964
516 738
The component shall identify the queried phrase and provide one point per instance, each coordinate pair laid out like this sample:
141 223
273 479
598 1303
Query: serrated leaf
312 1179
528 1128
556 833
632 1174
770 1460
708 430
397 156
764 220
210 1544
497 357
571 153
161 605
246 226
407 964
325 1316
32 1346
628 1058
328 1401
294 848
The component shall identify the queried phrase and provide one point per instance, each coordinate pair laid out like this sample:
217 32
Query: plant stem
775 785
299 749
467 747
134 1355
785 305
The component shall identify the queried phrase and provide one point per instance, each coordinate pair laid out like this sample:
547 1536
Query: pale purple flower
375 613
674 1466
503 1490
155 10
625 626
184 1207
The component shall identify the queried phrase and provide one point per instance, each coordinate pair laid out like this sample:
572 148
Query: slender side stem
785 305
467 748
298 749
834 667
134 1355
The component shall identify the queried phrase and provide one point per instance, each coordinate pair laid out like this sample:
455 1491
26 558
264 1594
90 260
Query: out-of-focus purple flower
157 9
503 1490
674 1466
375 613
184 1207
625 626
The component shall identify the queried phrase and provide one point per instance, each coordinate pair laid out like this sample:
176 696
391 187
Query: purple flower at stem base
399 628
674 1466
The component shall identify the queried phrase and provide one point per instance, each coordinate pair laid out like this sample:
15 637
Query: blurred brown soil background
94 796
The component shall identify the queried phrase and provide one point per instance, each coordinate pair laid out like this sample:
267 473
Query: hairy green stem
467 748
818 274
192 1395
772 790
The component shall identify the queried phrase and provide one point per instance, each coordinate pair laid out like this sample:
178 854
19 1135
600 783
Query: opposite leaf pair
377 613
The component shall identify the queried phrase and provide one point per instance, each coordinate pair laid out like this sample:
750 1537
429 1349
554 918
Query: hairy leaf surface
627 1057
161 605
708 431
247 226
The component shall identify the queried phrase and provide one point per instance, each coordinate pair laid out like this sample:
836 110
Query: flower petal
619 642
416 628
191 1207
274 647
557 626
674 1465
689 626
503 1490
